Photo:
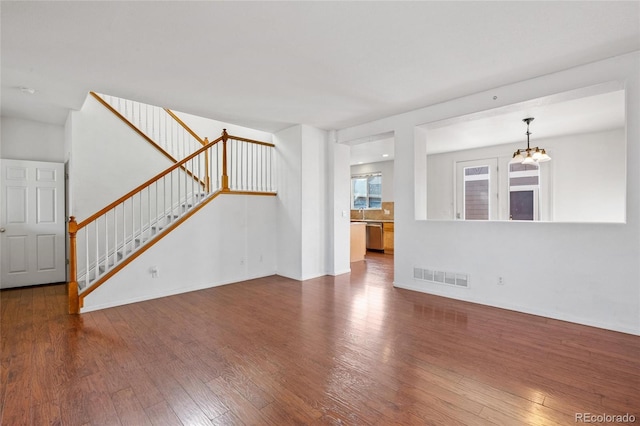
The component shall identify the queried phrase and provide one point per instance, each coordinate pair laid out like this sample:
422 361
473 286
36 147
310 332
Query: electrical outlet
154 271
500 281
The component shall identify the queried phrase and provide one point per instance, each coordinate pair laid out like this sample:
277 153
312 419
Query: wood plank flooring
333 350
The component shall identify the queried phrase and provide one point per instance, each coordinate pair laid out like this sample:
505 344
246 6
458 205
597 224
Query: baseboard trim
167 293
527 310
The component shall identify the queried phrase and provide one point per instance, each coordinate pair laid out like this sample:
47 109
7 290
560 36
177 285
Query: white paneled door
32 223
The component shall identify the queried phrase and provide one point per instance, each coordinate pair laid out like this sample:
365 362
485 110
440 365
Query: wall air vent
455 279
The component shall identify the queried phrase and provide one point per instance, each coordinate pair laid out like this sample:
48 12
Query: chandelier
529 155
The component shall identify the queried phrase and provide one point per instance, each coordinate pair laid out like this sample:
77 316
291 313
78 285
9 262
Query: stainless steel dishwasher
375 240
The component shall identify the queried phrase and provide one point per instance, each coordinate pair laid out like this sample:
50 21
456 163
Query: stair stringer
230 239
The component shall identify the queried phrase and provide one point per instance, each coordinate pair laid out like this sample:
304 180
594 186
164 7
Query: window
524 184
476 189
366 191
476 193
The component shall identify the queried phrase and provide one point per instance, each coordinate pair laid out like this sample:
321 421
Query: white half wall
231 239
581 272
31 140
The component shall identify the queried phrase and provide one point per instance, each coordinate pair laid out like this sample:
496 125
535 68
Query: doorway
32 223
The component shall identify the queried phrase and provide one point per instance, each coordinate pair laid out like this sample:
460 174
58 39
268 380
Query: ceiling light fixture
529 155
385 155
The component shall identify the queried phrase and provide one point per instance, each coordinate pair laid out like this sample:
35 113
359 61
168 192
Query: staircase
115 236
126 250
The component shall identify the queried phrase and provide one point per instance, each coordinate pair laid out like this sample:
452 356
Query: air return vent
456 279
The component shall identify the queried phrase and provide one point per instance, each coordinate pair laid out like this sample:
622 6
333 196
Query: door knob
2 229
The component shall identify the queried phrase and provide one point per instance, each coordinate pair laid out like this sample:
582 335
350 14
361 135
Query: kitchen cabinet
358 241
387 228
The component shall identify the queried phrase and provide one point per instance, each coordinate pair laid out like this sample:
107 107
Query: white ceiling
605 111
269 65
373 151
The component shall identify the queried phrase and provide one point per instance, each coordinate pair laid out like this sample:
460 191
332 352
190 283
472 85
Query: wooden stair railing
113 237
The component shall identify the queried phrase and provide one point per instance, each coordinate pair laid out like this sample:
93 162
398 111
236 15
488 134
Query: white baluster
264 168
86 257
193 181
133 223
115 235
253 168
106 241
166 143
186 186
97 257
124 229
171 193
141 221
149 210
163 205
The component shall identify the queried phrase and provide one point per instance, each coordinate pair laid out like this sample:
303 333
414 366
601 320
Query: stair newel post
72 285
207 178
225 177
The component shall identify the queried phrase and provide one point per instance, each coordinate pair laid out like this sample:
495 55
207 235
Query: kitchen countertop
373 220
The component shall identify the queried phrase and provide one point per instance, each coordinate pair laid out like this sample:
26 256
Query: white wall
289 217
586 273
212 129
303 193
589 177
585 181
386 168
31 140
338 205
314 201
231 239
108 159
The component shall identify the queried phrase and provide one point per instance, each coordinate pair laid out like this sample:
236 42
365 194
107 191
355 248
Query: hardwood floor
333 350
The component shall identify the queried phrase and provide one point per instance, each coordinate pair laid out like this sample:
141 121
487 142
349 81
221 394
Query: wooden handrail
144 185
184 126
235 138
